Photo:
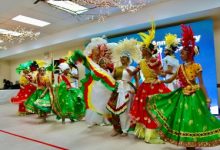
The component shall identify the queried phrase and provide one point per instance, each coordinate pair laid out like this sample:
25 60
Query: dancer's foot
190 148
114 133
21 113
92 125
44 115
124 134
63 120
44 119
72 120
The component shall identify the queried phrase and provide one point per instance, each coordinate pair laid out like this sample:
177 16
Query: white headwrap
64 66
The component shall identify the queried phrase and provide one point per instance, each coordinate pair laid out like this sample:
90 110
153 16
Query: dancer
99 52
98 83
183 115
74 75
68 102
146 128
26 86
74 72
170 63
40 100
119 103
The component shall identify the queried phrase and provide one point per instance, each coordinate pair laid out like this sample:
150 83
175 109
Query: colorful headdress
66 58
147 38
34 66
171 42
188 41
62 60
41 63
95 43
127 48
106 55
24 66
104 50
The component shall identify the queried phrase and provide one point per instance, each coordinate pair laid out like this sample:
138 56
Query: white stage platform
5 95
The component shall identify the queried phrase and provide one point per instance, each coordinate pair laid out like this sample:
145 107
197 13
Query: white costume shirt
173 62
74 82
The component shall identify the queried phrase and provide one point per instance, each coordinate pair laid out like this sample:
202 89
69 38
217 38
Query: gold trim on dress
191 88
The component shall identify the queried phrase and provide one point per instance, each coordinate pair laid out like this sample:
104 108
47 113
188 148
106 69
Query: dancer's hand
34 84
132 92
42 95
129 71
158 82
208 101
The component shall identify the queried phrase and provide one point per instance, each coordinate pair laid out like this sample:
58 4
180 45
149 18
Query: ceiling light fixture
68 6
29 20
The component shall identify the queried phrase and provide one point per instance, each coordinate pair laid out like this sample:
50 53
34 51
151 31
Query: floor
30 133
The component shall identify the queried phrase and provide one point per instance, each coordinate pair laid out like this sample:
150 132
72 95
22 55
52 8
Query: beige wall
4 71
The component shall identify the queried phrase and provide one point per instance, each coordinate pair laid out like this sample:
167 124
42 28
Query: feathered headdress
106 53
24 66
188 41
44 64
147 38
171 42
69 54
41 63
127 48
34 66
95 43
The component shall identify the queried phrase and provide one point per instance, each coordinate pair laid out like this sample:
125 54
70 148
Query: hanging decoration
17 35
97 9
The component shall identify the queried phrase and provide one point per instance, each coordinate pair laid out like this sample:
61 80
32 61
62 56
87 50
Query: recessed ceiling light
13 33
1 41
68 6
30 20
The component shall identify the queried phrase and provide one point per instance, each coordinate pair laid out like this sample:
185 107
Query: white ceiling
59 19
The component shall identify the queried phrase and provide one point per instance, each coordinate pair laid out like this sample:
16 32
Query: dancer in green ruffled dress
68 102
40 100
183 115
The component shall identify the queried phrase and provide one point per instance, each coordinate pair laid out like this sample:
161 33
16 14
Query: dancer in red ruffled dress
26 87
151 68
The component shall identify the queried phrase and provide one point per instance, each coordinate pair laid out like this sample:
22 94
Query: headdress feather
129 47
147 38
24 66
171 41
188 41
41 63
